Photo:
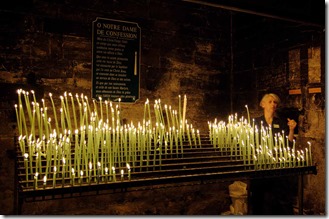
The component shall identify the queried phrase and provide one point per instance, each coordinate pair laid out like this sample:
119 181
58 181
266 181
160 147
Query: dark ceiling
308 12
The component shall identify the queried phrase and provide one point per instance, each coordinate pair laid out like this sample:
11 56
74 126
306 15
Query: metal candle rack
192 164
97 154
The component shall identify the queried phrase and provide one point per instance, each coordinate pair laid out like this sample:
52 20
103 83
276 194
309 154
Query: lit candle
276 154
298 158
81 177
306 156
26 167
293 159
90 169
198 134
44 182
122 172
310 152
36 180
62 119
193 135
73 110
114 176
248 114
106 174
98 171
188 134
184 113
107 111
63 172
18 121
54 177
302 158
179 109
167 115
27 101
54 112
128 167
18 115
257 138
67 111
73 174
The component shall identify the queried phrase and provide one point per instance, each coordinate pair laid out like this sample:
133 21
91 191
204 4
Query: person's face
269 105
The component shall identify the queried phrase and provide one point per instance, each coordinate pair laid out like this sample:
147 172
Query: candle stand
92 152
195 165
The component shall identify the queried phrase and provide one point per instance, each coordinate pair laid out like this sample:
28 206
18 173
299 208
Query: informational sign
116 60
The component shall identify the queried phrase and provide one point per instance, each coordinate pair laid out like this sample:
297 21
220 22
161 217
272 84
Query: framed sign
115 60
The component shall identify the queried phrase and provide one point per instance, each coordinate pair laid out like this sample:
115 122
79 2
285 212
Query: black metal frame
157 182
208 167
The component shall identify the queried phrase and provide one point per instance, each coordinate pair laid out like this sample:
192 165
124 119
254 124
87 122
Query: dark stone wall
184 49
221 60
262 64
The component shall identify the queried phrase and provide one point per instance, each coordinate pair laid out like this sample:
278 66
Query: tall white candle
90 169
122 174
63 172
36 180
81 177
26 155
98 171
73 176
114 176
184 113
248 114
44 182
128 167
310 152
106 174
306 156
54 177
179 109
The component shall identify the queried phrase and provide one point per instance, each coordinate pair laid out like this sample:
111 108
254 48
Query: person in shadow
275 195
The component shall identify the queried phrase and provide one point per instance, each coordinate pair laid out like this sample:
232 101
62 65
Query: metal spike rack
188 164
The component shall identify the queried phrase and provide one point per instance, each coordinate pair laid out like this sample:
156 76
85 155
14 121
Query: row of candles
88 142
257 146
93 148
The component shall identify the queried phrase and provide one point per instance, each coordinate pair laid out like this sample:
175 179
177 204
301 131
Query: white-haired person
270 103
274 195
